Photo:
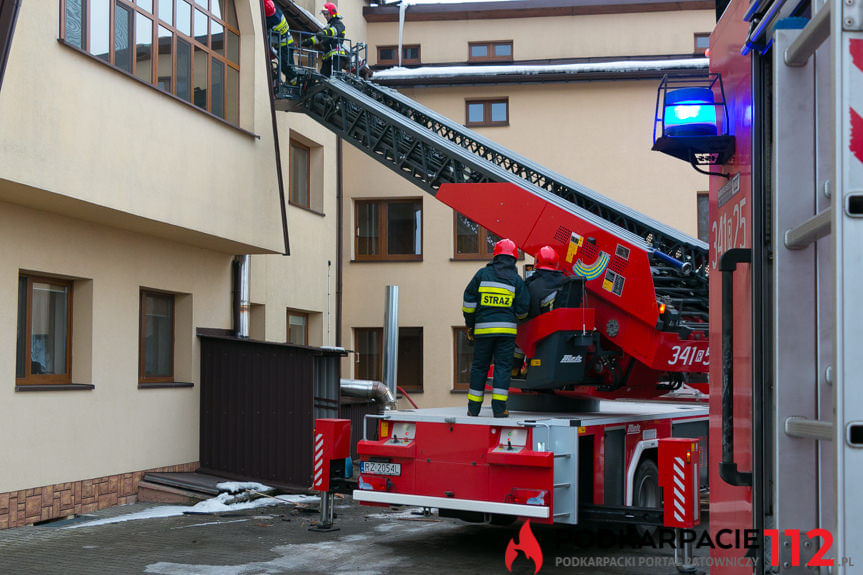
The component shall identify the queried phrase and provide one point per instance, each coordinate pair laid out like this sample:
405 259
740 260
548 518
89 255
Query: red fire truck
785 209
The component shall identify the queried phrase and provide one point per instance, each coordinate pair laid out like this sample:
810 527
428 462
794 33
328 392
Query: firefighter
329 41
277 24
494 300
546 282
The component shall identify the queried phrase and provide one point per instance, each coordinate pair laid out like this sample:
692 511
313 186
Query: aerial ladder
565 454
648 307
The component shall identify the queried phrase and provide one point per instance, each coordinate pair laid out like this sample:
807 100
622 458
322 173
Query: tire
645 487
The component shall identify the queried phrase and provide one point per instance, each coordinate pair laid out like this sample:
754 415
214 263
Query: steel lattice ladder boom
432 151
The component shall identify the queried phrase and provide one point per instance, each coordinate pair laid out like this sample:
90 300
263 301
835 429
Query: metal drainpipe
391 338
244 275
368 389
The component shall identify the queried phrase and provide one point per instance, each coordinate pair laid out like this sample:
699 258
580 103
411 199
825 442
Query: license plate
379 468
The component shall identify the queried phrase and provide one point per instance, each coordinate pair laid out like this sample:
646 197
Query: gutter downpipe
242 303
339 239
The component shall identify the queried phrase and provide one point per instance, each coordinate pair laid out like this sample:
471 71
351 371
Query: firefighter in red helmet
546 283
329 41
494 301
280 36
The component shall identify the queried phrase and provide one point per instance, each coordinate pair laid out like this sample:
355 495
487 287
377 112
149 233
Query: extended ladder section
430 150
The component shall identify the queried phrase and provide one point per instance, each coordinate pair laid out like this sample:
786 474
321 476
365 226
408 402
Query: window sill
386 261
152 87
164 384
488 125
305 209
55 387
459 391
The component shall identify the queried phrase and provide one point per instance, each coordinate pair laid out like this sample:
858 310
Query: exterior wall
28 506
303 281
88 141
596 35
117 186
596 133
55 437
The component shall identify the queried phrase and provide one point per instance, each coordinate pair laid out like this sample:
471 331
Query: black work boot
473 408
504 413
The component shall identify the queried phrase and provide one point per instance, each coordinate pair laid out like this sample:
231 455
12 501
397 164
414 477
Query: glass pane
21 350
49 307
100 18
498 112
388 54
217 106
158 335
464 357
232 103
369 232
218 8
703 218
410 364
146 5
200 70
466 236
475 112
411 53
232 14
217 33
490 240
403 228
233 47
166 62
368 356
480 51
202 3
297 329
300 176
75 18
122 37
166 11
184 70
184 17
502 50
143 47
201 22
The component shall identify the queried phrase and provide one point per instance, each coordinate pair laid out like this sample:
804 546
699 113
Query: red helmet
269 8
547 259
506 247
330 10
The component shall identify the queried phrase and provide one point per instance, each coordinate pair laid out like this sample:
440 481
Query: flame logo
528 545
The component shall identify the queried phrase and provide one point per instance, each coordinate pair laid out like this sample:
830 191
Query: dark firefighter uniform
280 34
329 41
494 300
544 287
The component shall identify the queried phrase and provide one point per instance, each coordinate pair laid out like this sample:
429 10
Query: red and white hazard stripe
679 490
853 90
318 473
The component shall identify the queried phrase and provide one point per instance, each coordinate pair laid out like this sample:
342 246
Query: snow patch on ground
222 503
235 486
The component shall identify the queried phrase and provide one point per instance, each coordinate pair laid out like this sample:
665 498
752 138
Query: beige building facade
137 159
569 86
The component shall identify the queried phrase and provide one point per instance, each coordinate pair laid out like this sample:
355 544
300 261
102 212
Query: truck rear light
526 496
374 483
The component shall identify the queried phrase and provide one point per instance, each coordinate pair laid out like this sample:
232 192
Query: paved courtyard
275 539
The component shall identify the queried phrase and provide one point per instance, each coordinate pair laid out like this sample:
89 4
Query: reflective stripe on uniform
499 393
506 288
332 53
282 27
473 395
468 306
499 397
498 327
520 315
549 299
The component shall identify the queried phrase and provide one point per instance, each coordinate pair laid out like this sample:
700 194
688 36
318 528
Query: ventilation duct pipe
368 389
242 305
